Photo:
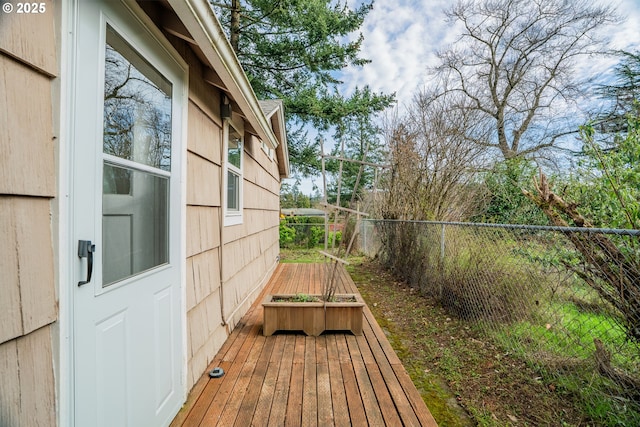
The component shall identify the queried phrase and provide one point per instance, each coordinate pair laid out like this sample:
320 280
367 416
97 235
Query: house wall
29 126
204 331
28 305
226 266
252 248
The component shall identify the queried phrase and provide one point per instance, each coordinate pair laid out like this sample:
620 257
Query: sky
402 37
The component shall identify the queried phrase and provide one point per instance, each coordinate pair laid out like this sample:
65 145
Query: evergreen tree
361 138
292 50
291 197
623 95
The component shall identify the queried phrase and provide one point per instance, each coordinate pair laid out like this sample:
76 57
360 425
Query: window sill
232 219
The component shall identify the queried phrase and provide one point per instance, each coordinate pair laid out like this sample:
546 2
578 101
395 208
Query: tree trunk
234 38
614 275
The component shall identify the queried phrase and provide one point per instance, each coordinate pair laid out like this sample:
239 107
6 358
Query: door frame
68 261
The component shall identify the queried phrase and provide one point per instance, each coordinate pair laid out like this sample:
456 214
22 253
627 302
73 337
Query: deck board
279 407
260 415
290 379
336 382
325 405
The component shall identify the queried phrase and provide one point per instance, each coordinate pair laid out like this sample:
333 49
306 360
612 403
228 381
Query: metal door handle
86 250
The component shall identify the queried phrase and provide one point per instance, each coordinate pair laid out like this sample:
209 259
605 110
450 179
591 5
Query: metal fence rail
535 292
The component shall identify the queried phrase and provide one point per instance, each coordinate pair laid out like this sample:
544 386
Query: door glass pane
137 127
137 107
233 191
134 225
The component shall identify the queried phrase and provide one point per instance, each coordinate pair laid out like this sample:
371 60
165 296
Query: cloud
401 38
626 36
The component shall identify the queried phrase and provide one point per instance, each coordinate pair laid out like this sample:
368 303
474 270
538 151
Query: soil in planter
296 298
343 298
312 298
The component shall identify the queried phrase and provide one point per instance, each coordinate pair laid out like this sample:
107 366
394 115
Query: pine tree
292 50
623 94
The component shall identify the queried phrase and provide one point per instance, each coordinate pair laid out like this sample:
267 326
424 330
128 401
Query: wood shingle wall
223 278
251 249
28 305
204 331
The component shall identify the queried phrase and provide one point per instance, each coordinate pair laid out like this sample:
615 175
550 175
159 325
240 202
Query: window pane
135 224
234 150
233 191
137 107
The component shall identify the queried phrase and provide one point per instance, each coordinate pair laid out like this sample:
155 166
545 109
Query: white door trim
64 365
66 244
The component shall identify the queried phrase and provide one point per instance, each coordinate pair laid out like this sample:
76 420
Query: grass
598 397
301 255
567 331
563 350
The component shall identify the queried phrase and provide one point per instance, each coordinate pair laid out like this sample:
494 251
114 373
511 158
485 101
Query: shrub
338 236
505 203
316 235
287 234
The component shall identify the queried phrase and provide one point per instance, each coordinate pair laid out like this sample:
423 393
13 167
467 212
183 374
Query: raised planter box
312 318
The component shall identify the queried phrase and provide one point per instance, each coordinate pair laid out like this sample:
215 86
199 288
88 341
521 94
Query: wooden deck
296 380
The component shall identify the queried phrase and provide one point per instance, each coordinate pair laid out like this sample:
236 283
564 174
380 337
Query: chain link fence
565 299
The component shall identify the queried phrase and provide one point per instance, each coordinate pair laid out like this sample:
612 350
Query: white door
127 115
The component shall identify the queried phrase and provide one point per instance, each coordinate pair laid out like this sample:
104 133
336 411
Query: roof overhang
273 110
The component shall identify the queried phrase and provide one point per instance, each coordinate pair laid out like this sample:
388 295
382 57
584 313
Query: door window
136 163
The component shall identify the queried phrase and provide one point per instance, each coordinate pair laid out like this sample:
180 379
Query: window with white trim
234 148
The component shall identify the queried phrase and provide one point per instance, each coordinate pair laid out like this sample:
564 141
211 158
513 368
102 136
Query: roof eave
199 19
282 150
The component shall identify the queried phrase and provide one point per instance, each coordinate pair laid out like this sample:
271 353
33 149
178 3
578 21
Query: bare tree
432 164
515 66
